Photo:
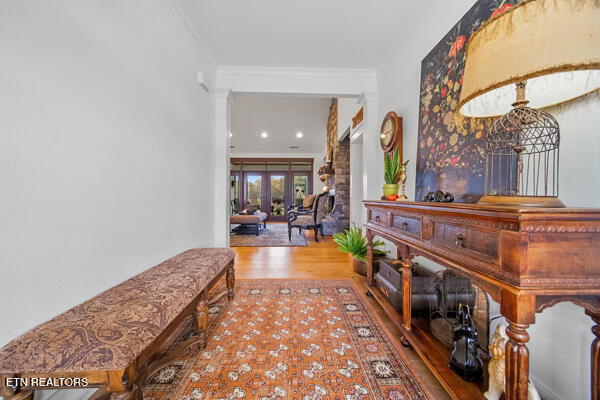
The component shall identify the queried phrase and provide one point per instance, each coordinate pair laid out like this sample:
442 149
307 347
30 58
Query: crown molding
295 71
223 93
182 12
314 81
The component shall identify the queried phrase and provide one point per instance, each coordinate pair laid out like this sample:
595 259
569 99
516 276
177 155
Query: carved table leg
406 292
517 362
202 319
230 282
399 254
369 257
595 359
519 311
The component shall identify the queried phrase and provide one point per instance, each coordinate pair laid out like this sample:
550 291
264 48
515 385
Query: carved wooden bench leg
202 319
100 394
230 282
21 395
125 386
11 392
135 393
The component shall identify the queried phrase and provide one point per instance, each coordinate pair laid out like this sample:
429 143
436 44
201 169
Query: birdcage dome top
523 130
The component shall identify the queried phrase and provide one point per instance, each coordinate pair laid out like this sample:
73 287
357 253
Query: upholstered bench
111 340
249 220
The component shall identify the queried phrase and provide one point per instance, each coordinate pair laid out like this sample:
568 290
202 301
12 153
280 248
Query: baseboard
544 391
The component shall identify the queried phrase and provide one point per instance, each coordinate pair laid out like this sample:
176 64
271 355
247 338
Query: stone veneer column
340 180
342 185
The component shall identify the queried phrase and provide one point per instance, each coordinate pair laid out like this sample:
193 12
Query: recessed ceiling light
264 134
299 135
230 134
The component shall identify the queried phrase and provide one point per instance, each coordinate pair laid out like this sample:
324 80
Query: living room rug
275 235
291 339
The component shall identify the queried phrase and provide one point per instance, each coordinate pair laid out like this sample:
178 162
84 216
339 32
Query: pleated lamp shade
554 45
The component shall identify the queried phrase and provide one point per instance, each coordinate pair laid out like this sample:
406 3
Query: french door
272 192
278 195
254 190
269 191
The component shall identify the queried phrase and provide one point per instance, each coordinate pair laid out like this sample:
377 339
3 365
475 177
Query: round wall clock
390 135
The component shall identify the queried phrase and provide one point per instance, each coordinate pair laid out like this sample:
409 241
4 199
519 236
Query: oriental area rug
275 235
291 339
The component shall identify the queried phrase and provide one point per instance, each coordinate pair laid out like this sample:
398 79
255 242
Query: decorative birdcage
522 154
521 157
452 292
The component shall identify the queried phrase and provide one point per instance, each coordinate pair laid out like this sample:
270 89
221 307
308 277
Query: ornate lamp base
522 201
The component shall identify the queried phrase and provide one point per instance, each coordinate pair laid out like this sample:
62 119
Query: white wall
105 149
347 109
561 337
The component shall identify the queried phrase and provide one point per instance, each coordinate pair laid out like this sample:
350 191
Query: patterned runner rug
291 339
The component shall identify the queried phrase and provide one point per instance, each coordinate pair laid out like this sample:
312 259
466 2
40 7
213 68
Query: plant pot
390 189
360 267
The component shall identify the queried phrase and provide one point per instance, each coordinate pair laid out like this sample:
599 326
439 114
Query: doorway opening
271 185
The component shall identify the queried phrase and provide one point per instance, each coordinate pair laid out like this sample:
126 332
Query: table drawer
379 217
474 240
407 225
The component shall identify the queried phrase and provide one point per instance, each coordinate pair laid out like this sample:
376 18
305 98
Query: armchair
309 219
306 205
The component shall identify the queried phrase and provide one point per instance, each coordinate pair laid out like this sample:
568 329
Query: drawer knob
404 225
459 240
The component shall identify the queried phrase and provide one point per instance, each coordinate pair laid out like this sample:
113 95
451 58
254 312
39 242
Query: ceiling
281 117
308 33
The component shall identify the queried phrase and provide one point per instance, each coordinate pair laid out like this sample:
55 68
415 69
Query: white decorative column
356 179
222 196
372 155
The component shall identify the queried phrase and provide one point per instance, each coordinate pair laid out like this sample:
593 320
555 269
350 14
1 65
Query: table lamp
536 54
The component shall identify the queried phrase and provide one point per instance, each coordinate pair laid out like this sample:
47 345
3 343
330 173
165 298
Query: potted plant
354 242
392 168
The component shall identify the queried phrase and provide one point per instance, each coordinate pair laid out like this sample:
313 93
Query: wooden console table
526 259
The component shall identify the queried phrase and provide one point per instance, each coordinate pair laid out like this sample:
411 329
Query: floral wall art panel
450 156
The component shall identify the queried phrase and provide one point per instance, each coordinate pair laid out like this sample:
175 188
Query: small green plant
354 242
392 167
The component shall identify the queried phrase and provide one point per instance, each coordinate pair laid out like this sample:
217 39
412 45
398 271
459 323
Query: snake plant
392 167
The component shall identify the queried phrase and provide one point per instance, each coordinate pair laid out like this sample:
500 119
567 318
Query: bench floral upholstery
110 330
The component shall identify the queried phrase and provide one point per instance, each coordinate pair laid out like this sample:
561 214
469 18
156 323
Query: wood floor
319 260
